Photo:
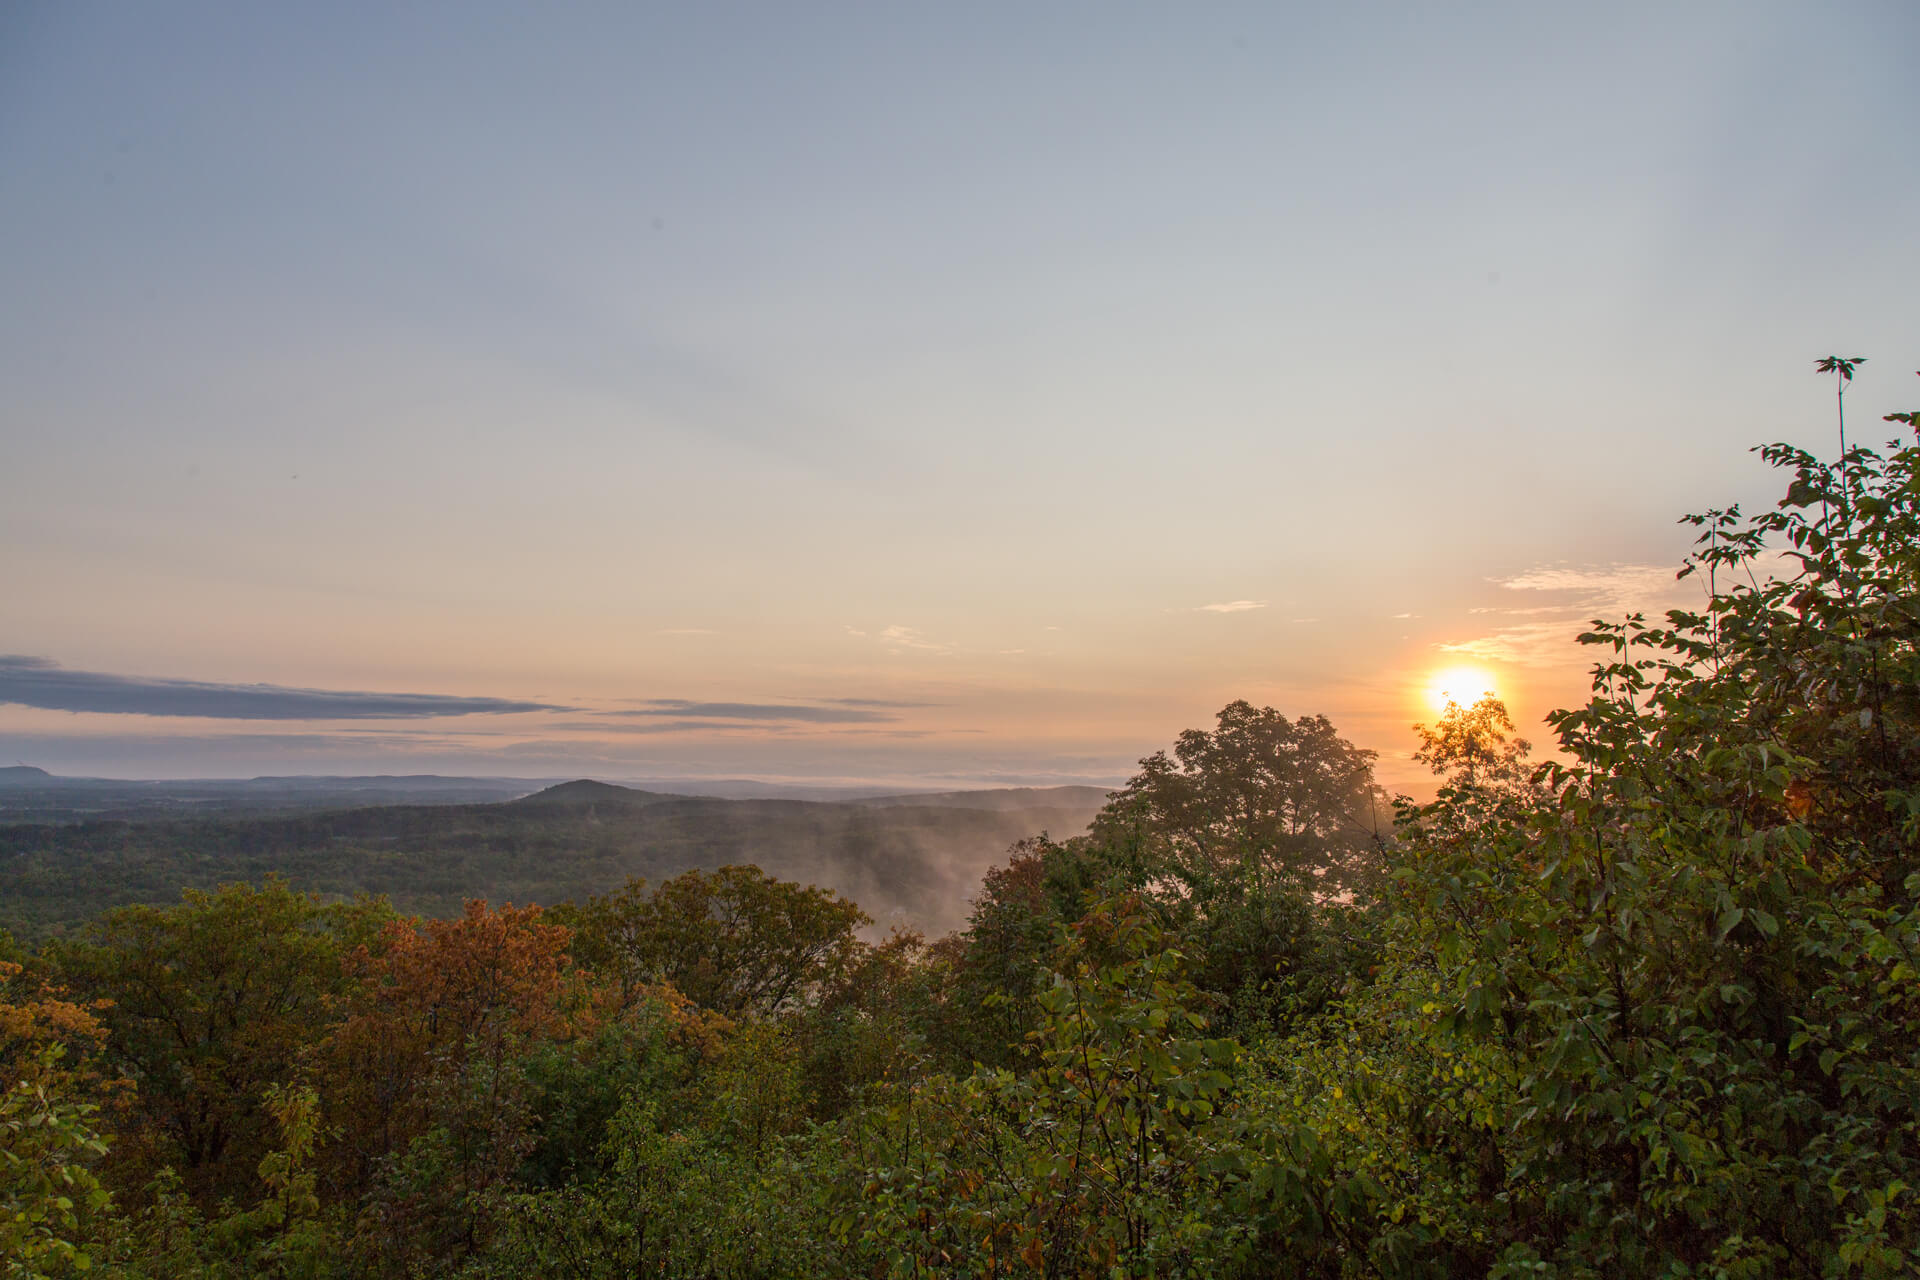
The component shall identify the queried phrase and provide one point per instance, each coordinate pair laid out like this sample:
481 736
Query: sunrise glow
1462 684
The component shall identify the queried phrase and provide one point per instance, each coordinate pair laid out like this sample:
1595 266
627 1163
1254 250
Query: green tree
734 940
287 1235
52 1203
1098 1160
980 984
1258 795
1470 747
1684 983
210 1001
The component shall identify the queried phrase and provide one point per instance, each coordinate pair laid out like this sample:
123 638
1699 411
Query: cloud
1619 583
910 638
628 728
1232 606
41 682
911 733
372 740
1537 644
775 712
1586 592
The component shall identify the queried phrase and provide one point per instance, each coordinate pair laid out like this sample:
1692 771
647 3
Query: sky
916 395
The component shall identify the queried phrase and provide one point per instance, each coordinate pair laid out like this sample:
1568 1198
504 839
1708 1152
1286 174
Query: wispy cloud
912 733
773 712
1622 584
1579 595
627 727
900 637
1232 606
41 682
1535 644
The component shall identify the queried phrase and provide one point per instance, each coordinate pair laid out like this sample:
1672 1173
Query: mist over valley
70 848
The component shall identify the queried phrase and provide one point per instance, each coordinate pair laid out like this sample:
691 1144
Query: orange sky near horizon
651 393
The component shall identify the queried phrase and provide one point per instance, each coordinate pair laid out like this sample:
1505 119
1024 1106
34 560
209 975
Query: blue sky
952 358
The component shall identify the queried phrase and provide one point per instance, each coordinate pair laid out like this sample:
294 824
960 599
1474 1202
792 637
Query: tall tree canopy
209 1001
735 940
1258 794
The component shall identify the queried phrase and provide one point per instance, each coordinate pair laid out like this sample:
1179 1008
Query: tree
1259 796
52 1203
37 1014
285 1236
1683 983
735 940
1102 1157
209 1001
436 1015
1260 843
981 982
1842 368
1469 746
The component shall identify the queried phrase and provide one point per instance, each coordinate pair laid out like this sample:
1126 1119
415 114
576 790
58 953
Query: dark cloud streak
41 682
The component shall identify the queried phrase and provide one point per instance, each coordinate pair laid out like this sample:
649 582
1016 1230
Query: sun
1462 684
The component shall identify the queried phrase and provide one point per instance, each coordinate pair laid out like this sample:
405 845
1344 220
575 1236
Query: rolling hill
910 860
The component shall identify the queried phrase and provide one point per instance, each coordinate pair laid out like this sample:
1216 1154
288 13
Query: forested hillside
907 860
1651 1009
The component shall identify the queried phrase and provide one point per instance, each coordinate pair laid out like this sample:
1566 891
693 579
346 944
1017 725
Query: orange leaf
1034 1254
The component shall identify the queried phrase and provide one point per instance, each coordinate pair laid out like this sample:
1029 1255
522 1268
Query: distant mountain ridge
29 793
585 793
913 860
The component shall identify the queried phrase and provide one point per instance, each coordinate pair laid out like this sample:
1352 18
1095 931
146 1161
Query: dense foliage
1650 1009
